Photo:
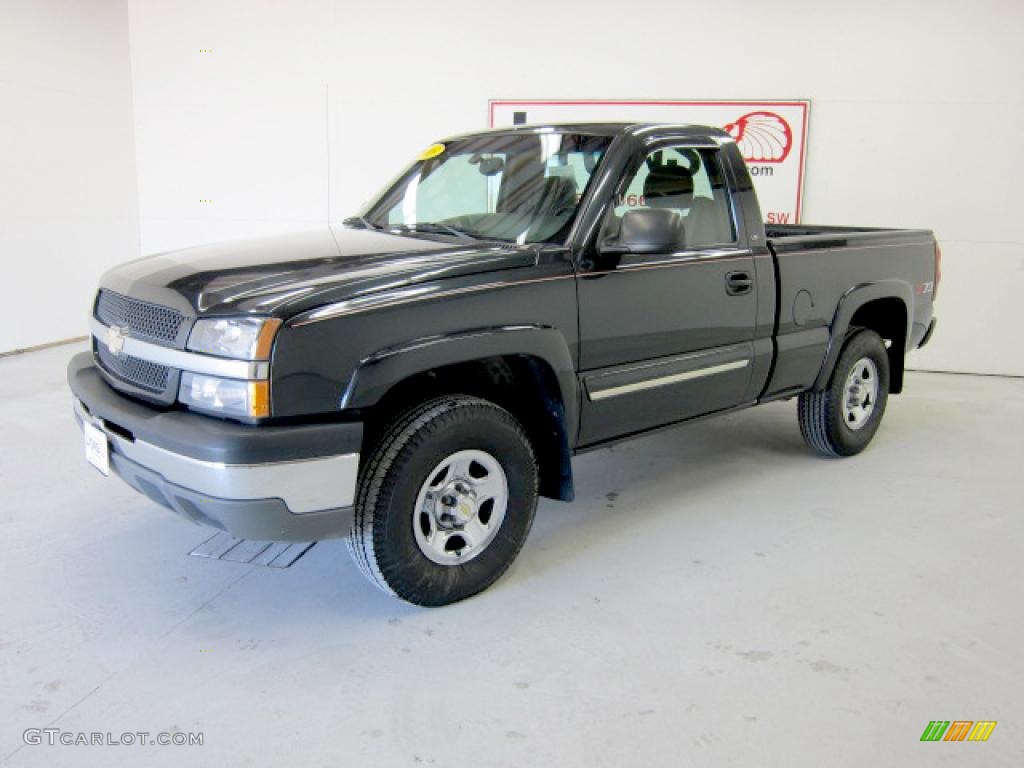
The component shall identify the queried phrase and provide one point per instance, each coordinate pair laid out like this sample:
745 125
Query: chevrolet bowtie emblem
115 339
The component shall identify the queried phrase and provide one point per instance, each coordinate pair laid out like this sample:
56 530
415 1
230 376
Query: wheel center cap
458 502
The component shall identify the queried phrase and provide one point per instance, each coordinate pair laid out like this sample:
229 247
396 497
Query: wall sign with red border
772 135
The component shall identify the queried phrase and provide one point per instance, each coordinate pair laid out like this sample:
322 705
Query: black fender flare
380 371
849 303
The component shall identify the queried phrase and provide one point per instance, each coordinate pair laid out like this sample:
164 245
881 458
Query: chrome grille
140 318
140 373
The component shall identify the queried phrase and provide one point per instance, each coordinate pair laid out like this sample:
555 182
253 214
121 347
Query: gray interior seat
671 186
558 196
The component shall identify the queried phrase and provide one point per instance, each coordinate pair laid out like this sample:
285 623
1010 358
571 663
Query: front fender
380 371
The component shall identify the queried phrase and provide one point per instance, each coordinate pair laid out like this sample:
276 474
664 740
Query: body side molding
651 375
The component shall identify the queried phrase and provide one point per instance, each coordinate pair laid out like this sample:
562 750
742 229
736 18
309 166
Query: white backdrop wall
283 115
68 200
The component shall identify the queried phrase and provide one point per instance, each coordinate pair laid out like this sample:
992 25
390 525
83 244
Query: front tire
841 420
445 502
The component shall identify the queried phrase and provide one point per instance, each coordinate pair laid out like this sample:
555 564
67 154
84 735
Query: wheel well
888 318
523 385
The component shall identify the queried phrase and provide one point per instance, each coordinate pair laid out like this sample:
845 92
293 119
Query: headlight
238 338
225 397
241 338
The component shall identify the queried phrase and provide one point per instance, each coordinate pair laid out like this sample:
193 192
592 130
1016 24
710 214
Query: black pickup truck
415 377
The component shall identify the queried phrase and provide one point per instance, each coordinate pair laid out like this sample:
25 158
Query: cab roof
604 129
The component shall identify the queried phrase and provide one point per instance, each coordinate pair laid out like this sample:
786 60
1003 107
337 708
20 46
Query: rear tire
445 501
842 420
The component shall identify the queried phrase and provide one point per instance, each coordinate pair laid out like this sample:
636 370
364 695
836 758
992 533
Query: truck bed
806 232
817 266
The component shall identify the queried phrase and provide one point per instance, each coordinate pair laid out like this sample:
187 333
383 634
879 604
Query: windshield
522 188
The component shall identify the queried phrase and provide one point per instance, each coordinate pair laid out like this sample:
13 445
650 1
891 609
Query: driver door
667 335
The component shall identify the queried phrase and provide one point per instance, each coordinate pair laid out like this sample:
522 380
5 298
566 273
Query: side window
688 181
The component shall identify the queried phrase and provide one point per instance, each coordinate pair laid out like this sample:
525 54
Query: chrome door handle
738 283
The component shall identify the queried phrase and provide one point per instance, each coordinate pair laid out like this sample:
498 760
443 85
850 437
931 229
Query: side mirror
647 230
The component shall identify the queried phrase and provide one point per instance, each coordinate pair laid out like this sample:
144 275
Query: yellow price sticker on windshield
432 151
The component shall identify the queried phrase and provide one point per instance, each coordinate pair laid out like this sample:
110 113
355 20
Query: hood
286 274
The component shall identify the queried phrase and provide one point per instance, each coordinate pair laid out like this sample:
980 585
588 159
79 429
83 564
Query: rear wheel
841 420
445 502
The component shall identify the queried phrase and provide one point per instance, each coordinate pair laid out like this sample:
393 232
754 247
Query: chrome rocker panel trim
662 381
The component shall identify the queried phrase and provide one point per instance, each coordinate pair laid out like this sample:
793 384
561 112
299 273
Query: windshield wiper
352 221
434 227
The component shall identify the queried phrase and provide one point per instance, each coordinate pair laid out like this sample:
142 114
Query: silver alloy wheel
861 393
460 507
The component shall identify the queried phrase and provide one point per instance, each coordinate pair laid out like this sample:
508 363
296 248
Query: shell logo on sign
771 135
763 137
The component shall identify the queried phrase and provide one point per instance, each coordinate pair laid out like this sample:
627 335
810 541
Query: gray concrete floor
717 596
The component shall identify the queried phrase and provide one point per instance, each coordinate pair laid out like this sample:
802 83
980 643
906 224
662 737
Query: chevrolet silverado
416 376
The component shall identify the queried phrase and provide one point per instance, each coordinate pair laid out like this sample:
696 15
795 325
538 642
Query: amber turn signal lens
265 340
259 399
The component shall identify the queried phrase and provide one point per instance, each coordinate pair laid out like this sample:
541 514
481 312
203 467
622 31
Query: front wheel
841 420
445 502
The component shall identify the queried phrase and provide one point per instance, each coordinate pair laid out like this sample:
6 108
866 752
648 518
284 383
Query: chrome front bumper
270 495
304 485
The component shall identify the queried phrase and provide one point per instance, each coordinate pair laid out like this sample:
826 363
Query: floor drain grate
272 554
